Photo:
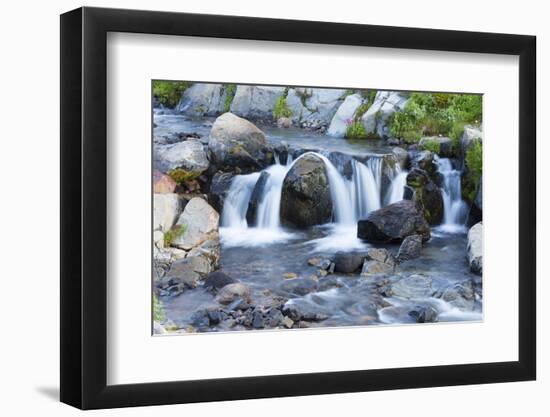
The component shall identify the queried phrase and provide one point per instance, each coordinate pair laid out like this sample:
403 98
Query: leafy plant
281 108
474 164
431 145
169 93
355 130
230 94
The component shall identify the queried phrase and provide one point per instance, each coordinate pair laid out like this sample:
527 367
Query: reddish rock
163 184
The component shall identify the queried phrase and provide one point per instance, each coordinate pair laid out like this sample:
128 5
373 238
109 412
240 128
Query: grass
356 130
431 145
474 165
175 232
169 93
230 94
158 310
281 108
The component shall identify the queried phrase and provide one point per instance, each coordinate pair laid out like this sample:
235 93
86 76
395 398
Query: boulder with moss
440 145
188 156
344 115
428 194
385 104
255 101
203 99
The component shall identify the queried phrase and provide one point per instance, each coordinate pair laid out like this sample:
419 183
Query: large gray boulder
188 155
237 145
469 136
314 107
344 115
203 99
385 104
394 223
255 102
305 198
166 209
199 223
475 248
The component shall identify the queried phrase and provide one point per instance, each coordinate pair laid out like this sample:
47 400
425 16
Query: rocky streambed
288 228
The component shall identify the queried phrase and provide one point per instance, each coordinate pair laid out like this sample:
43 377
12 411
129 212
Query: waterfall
366 183
397 186
236 202
269 208
454 208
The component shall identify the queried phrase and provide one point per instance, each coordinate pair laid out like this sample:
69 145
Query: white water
397 186
455 209
352 199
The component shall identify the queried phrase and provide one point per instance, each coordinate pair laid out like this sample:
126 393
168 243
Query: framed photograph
258 208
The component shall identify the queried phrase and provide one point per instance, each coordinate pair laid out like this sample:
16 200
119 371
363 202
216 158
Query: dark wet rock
190 270
305 198
303 311
424 314
394 223
423 160
216 316
239 304
200 320
408 193
410 248
255 198
236 145
326 283
377 262
217 280
414 286
274 318
347 263
299 286
231 292
218 189
281 150
428 194
402 156
324 264
460 295
258 320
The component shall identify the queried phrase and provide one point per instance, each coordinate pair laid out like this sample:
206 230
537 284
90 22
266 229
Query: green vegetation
169 93
474 163
435 114
431 145
230 93
181 176
175 232
355 130
281 108
158 310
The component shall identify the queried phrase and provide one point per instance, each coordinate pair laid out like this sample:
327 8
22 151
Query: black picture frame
84 207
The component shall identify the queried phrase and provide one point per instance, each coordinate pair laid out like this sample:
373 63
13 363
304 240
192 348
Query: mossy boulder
305 198
440 145
428 194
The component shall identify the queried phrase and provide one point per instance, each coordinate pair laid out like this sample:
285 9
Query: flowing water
260 254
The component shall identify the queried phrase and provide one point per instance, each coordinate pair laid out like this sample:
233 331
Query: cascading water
236 203
397 186
366 184
454 208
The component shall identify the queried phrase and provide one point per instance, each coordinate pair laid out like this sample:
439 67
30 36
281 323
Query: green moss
230 94
158 310
356 130
174 233
169 93
181 176
474 167
431 145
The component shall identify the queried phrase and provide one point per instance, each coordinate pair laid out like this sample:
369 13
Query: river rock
305 198
221 181
394 223
314 108
235 144
284 122
344 115
299 286
190 270
475 248
423 160
401 156
469 136
255 198
413 286
297 310
347 263
428 194
410 248
231 292
460 295
203 99
443 145
199 222
188 155
217 280
424 314
166 209
378 261
255 101
163 184
385 104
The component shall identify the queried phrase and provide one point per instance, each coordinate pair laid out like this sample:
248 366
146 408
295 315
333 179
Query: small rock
217 280
290 275
347 263
314 261
287 322
410 248
324 264
322 272
284 122
424 314
299 286
231 292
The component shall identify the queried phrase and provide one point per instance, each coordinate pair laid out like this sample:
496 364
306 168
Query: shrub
432 146
158 310
175 232
169 93
281 108
355 130
230 93
474 165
